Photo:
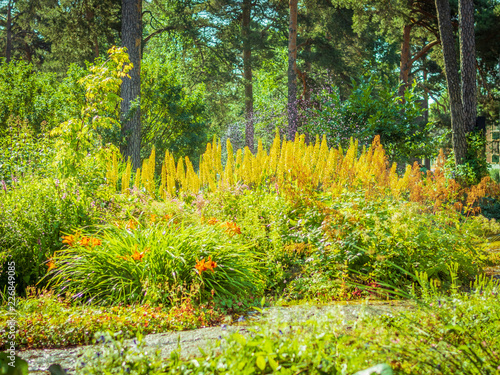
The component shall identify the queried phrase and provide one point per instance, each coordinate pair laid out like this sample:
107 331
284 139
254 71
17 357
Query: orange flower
85 241
95 242
137 256
212 221
152 218
131 224
202 265
168 217
231 228
90 242
69 240
51 265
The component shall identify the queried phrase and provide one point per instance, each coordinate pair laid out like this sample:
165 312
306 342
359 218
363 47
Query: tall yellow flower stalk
126 177
112 171
229 170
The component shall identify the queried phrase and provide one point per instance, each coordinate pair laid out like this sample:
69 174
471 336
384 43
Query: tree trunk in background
452 79
468 62
405 65
247 69
292 73
131 87
8 27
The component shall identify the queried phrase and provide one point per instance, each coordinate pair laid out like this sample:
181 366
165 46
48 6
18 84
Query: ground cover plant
48 321
442 334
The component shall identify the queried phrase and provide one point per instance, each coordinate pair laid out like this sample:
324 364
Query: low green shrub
378 240
34 213
156 262
372 236
115 356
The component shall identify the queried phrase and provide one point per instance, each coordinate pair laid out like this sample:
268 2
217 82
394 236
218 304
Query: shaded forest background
241 69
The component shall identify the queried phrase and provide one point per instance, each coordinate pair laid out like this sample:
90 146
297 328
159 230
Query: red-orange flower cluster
202 265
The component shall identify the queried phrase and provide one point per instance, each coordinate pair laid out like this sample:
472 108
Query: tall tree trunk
452 79
292 73
405 62
8 27
131 87
468 62
247 69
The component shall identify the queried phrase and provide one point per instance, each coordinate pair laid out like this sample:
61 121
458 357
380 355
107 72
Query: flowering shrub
153 263
34 213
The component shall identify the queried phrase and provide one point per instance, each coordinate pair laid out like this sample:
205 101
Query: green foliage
262 217
372 236
78 139
173 116
26 94
12 366
33 215
115 356
155 263
373 108
475 166
48 321
22 152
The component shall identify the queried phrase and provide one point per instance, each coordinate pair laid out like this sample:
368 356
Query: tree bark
292 73
131 87
8 27
452 79
247 70
405 64
468 62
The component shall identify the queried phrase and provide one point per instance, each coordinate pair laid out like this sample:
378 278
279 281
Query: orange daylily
131 224
51 265
202 265
212 221
69 240
137 256
231 228
90 241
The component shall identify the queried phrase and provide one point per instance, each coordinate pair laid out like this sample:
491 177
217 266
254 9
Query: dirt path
190 341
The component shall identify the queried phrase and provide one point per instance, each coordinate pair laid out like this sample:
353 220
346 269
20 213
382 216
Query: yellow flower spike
274 153
219 159
228 171
144 173
163 182
180 173
151 172
238 164
126 177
